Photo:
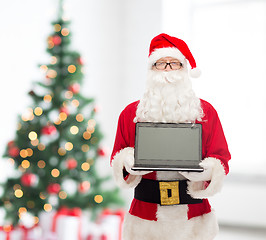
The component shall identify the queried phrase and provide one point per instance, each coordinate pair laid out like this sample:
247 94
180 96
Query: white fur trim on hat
124 156
199 190
165 52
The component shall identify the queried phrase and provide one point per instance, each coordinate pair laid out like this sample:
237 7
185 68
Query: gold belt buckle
169 193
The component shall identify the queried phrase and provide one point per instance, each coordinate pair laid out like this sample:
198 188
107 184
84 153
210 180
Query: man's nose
168 68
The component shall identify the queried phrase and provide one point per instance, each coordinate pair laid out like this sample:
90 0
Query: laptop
168 147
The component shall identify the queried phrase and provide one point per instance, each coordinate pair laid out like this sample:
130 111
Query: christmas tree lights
57 142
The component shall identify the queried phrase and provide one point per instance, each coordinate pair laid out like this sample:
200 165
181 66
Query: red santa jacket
213 145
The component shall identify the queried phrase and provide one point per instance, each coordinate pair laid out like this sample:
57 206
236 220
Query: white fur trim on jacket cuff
199 190
125 155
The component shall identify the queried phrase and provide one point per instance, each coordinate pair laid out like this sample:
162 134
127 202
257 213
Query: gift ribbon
119 213
65 211
7 230
26 230
11 228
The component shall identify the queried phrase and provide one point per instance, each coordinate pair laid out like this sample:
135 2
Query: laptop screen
168 143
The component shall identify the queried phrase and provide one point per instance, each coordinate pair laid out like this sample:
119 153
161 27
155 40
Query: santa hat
164 45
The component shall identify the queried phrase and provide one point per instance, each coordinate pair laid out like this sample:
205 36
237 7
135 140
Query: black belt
164 192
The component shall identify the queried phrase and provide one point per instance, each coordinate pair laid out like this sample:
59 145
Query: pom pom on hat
195 72
164 45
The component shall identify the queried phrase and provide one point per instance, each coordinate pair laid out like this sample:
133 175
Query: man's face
167 64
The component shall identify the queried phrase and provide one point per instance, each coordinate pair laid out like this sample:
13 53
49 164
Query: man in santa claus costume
169 98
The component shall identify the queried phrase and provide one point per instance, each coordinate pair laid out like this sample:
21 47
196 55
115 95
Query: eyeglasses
163 65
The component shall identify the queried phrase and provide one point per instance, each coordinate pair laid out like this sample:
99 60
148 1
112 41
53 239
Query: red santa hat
164 45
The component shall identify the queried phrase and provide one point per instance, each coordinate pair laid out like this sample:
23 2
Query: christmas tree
57 142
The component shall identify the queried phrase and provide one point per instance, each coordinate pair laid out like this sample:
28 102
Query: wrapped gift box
72 224
111 223
64 224
11 233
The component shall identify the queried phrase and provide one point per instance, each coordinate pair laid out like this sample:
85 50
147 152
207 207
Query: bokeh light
71 68
25 164
85 166
79 117
41 164
55 172
85 148
47 98
32 135
61 151
41 146
98 198
47 207
64 32
68 146
74 130
57 27
18 193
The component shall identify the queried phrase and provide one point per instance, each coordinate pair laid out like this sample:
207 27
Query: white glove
213 171
206 175
129 162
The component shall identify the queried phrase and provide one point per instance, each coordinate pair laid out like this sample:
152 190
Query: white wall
24 28
227 39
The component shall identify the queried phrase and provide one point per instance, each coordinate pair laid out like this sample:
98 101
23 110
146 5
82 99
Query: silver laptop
168 146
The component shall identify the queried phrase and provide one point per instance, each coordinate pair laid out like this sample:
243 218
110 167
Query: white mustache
172 78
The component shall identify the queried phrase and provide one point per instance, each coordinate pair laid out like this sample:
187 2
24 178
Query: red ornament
13 151
53 188
84 187
56 40
11 143
49 130
64 110
96 109
28 179
71 163
80 61
74 88
102 152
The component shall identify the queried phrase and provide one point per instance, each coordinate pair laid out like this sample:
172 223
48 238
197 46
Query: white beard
169 98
